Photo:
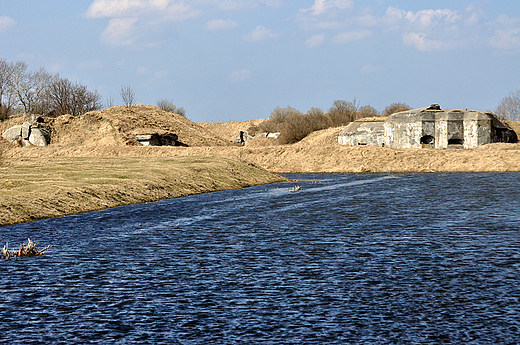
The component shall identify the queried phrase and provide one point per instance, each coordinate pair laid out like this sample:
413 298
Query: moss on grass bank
39 188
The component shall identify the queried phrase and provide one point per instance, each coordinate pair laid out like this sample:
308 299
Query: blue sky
232 60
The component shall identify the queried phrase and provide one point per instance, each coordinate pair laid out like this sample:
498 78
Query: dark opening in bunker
455 142
427 140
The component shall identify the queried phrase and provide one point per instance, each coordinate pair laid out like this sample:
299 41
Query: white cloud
221 24
315 41
119 31
239 75
427 18
422 43
230 5
6 23
125 8
260 33
351 36
506 33
322 6
124 14
421 19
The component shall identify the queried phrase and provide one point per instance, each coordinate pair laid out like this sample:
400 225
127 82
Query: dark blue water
351 258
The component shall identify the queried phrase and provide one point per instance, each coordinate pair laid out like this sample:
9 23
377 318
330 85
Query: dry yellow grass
228 130
92 164
37 188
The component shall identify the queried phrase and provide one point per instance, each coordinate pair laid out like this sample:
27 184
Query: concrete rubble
29 133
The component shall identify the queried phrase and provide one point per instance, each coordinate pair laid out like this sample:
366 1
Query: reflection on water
374 258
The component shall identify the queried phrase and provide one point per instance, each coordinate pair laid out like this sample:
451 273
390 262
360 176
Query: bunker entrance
455 142
427 141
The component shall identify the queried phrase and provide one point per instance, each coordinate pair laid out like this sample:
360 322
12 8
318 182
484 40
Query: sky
237 60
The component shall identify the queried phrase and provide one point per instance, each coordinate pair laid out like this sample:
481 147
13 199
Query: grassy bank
39 188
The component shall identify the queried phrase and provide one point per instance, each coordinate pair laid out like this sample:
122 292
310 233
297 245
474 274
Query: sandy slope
228 130
319 152
93 161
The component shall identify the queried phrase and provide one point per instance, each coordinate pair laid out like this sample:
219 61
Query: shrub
367 111
395 108
4 113
319 119
278 116
342 112
168 105
509 107
64 97
296 127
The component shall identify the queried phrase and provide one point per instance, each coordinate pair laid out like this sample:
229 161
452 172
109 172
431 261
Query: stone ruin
155 139
29 133
429 127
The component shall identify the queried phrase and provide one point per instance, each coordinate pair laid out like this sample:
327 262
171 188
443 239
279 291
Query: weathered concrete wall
429 127
363 133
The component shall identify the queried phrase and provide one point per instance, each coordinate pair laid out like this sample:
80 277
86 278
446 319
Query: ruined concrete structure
154 139
429 127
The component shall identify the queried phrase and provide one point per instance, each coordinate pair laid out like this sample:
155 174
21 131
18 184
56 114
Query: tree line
294 125
41 92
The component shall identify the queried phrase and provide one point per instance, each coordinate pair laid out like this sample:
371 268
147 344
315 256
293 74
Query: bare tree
342 112
59 95
110 102
29 87
65 97
509 107
6 70
128 95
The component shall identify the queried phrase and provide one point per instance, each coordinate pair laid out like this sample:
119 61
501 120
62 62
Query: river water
350 258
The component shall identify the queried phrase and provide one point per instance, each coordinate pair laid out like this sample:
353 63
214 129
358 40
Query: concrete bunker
155 139
430 127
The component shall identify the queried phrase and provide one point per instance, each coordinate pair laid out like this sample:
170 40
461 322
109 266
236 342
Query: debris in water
295 189
26 249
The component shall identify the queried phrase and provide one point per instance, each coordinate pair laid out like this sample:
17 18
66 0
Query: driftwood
295 189
26 249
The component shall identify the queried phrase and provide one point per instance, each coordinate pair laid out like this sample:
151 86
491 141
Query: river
349 258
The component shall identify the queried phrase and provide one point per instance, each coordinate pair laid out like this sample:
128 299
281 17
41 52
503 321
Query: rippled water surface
375 258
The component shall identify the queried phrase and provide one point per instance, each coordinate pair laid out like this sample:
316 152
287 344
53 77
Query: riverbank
94 161
54 186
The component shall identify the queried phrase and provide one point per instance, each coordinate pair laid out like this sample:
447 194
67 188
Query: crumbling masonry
429 127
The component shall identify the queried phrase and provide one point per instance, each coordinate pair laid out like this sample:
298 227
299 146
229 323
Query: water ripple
397 259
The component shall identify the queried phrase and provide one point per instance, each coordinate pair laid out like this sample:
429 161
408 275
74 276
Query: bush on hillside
320 119
168 105
342 112
395 108
275 121
293 126
298 126
64 97
367 111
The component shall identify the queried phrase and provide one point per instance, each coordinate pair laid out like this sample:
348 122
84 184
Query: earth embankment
38 188
94 161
